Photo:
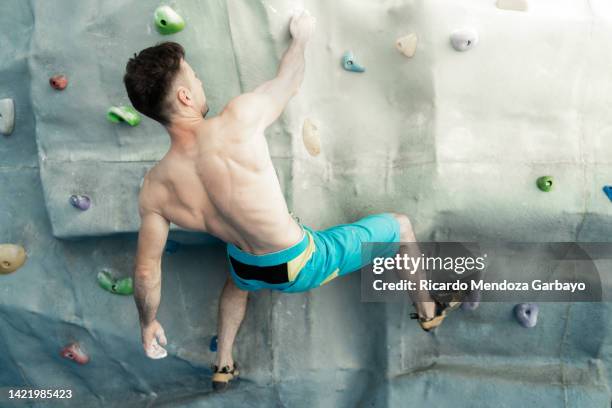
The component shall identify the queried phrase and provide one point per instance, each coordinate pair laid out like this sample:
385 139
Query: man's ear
184 96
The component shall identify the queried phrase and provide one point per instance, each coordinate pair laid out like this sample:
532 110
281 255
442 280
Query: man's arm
266 103
147 280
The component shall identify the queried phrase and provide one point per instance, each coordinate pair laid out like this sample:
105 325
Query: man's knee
406 231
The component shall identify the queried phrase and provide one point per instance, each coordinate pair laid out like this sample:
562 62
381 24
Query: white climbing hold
310 135
516 5
7 116
407 44
465 39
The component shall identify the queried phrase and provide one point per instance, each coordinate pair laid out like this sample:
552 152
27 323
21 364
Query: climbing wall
455 131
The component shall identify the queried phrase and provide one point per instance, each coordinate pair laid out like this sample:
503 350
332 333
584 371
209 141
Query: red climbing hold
74 352
59 82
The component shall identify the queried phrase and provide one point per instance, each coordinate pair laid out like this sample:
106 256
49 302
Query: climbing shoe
442 310
222 377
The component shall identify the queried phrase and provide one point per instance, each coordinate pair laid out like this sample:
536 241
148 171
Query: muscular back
223 182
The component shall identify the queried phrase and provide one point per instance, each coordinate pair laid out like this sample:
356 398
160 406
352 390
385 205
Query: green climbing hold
117 286
168 21
125 114
545 183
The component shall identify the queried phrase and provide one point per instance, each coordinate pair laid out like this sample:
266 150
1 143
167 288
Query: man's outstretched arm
266 103
147 281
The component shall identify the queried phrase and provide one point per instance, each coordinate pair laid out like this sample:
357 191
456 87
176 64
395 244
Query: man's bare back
217 177
224 184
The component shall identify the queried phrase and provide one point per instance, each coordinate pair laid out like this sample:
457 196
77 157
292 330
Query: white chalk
407 44
463 40
515 5
7 116
310 135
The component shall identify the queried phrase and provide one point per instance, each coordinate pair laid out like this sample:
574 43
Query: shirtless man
218 178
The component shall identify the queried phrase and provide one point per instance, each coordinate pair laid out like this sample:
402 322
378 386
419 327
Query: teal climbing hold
125 114
608 191
168 21
7 116
117 286
545 183
349 63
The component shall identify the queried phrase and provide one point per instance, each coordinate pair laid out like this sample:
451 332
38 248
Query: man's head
162 85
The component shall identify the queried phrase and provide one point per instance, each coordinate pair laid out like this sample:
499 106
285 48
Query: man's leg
423 302
232 307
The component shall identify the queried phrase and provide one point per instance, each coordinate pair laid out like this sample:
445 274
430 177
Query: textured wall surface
455 140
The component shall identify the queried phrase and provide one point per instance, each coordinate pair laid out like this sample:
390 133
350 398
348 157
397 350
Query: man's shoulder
245 108
151 191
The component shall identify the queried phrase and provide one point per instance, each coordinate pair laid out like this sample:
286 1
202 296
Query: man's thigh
347 246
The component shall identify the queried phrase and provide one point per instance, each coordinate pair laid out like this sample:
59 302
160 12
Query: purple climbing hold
471 301
213 344
608 191
81 202
526 314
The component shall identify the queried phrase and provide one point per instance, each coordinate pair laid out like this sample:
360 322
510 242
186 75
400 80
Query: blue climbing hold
349 63
172 246
526 314
213 344
608 191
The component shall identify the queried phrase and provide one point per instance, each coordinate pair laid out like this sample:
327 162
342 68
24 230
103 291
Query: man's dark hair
149 76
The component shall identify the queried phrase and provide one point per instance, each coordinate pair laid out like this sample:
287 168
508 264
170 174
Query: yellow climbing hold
12 257
310 135
515 5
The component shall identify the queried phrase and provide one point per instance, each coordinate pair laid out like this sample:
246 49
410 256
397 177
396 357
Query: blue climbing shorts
318 258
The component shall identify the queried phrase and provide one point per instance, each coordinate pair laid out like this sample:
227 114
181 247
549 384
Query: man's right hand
302 26
153 338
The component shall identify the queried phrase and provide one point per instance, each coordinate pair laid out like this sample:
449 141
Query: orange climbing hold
59 82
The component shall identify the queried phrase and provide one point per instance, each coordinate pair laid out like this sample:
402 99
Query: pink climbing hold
59 82
74 352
